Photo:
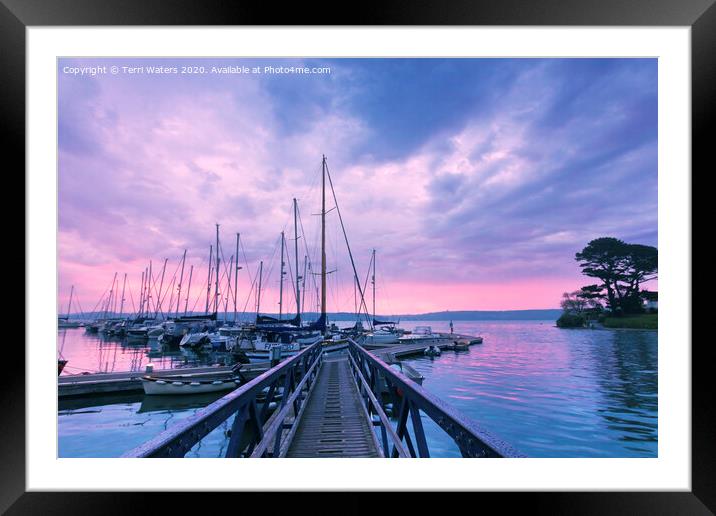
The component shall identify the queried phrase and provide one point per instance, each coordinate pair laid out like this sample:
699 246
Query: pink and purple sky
475 179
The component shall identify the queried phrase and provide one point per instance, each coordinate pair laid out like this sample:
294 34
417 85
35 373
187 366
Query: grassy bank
635 322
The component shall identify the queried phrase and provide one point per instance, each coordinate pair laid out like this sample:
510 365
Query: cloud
458 171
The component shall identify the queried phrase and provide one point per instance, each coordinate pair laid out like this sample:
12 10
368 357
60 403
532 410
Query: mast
323 239
216 290
228 291
181 279
208 280
305 272
280 290
124 284
149 288
114 304
373 281
109 299
258 292
171 296
188 290
295 248
345 236
236 275
160 301
69 305
141 296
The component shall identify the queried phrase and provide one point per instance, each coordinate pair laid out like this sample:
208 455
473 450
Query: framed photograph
431 235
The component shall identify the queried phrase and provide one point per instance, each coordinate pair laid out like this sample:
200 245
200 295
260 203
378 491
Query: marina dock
333 424
330 405
130 381
391 352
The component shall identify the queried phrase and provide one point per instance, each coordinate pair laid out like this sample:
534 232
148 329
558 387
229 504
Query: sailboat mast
170 308
69 305
216 290
124 285
160 301
236 275
188 290
109 300
303 280
149 288
208 280
258 292
373 280
228 290
280 289
141 296
114 305
295 248
181 280
323 239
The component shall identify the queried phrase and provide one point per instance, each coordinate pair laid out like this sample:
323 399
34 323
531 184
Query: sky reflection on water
547 392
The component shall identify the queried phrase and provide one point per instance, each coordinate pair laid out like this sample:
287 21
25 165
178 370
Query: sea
548 392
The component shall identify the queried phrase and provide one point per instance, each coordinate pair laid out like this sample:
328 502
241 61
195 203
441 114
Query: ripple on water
551 392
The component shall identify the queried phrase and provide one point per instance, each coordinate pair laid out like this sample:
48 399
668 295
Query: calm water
546 391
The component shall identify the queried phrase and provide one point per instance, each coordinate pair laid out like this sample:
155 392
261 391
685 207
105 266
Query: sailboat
64 322
384 331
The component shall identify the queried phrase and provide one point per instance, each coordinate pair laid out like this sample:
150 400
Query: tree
572 303
621 267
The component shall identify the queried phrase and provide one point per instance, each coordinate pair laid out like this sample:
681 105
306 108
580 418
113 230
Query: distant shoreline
461 315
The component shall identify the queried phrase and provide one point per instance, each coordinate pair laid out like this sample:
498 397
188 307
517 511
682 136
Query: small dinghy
432 351
461 345
197 384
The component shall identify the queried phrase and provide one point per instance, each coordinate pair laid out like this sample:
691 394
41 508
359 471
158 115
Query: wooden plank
334 423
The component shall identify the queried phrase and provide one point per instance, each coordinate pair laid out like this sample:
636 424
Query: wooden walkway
334 422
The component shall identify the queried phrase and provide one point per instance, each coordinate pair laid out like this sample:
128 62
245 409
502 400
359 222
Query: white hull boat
159 385
382 337
425 336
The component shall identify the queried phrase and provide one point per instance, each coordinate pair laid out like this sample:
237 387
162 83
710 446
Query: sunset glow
476 180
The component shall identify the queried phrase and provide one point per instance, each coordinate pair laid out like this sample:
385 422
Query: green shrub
567 320
637 322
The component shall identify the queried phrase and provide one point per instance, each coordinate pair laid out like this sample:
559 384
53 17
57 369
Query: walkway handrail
411 398
372 405
178 439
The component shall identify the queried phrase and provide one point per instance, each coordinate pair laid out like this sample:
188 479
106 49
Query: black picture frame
700 15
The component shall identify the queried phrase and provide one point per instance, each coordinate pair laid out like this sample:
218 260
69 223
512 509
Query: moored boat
170 385
192 384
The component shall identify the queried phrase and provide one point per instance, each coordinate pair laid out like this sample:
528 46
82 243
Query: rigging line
305 245
248 295
131 298
101 298
367 274
227 273
82 312
355 272
293 283
170 286
271 262
201 290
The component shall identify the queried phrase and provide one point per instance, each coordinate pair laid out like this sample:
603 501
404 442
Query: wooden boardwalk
334 423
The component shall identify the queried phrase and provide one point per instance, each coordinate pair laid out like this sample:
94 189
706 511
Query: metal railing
376 380
255 432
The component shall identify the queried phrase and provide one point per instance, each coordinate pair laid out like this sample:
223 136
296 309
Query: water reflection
552 392
96 353
548 392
